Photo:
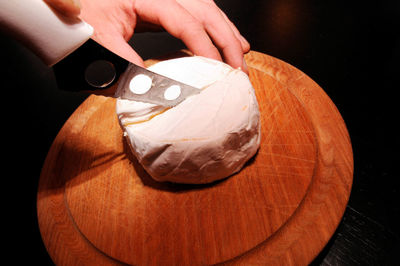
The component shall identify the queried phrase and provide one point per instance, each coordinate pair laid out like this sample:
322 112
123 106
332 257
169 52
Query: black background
350 48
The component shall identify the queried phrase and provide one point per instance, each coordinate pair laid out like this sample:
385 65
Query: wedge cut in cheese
207 137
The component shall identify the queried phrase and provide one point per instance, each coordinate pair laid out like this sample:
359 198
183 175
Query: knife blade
80 63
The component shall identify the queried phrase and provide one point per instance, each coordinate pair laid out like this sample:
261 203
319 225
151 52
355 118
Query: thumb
68 8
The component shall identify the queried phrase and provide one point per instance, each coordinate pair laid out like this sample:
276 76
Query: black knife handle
90 67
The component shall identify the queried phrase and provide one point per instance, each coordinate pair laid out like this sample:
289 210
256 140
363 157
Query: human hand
200 24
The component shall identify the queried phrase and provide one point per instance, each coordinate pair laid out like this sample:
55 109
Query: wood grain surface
97 206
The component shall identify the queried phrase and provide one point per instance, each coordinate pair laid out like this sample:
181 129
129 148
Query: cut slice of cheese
207 137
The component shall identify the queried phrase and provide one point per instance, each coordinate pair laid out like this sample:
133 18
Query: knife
80 63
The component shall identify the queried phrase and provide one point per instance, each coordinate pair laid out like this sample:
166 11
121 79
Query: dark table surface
350 48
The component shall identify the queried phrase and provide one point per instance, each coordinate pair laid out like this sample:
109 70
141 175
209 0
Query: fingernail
244 67
245 44
77 4
74 7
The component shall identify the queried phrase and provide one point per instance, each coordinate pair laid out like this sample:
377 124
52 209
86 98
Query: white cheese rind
207 137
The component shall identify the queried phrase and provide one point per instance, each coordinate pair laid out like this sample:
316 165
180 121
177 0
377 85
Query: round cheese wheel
208 136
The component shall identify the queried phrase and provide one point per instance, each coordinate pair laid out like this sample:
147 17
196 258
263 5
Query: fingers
180 23
232 35
113 23
245 44
201 25
222 31
194 35
69 8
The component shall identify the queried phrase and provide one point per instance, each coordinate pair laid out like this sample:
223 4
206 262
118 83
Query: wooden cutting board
97 206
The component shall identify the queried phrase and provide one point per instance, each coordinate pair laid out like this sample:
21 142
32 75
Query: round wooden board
97 206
